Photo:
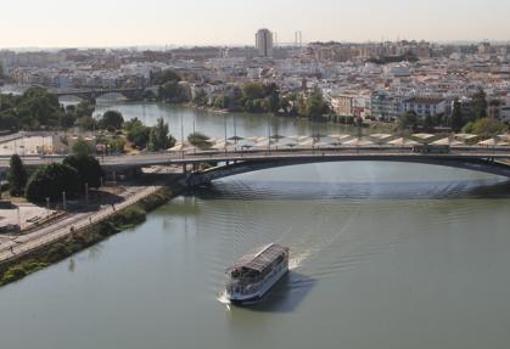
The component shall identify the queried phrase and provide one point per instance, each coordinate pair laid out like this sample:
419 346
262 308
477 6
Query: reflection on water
261 190
287 295
213 124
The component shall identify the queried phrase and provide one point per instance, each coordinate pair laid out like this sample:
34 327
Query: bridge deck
381 153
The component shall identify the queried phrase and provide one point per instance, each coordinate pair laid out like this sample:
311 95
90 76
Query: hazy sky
52 23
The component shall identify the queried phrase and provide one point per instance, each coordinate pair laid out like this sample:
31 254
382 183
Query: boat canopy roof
260 260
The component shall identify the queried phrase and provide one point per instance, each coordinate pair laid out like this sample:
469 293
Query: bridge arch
232 169
111 95
93 94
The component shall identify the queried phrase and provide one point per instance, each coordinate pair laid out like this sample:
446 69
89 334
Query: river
183 121
383 256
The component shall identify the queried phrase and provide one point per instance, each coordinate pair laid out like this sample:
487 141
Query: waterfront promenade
21 245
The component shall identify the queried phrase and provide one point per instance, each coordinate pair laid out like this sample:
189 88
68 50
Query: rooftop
259 260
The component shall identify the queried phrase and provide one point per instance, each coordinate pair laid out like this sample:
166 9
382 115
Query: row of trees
72 176
255 97
141 136
151 138
38 109
170 88
252 97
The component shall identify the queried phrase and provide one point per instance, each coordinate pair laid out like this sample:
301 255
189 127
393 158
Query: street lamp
47 207
268 134
225 127
19 217
182 131
235 133
87 193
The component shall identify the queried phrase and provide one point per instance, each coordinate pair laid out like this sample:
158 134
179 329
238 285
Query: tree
486 127
159 138
408 120
50 181
34 110
479 105
137 133
37 108
85 108
260 98
81 112
8 121
173 92
116 145
253 90
68 119
273 97
112 120
165 76
88 168
87 123
82 148
2 73
200 98
316 106
301 105
17 176
457 119
199 140
428 122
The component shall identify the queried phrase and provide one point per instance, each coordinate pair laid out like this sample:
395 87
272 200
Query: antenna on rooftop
298 38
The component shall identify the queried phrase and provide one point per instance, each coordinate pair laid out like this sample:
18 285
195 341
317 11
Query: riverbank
60 244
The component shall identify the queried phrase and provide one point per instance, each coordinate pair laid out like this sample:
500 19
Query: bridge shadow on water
264 190
287 294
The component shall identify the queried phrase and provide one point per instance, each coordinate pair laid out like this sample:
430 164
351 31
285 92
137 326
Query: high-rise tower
264 42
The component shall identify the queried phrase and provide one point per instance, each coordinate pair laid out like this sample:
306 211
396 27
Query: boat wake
223 299
298 259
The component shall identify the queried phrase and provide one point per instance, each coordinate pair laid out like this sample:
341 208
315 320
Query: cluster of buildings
368 80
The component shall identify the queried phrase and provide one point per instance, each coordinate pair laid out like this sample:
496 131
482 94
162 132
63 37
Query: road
148 159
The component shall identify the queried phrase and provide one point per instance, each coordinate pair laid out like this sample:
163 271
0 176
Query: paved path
49 234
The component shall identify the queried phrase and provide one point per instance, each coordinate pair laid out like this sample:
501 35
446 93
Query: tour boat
253 276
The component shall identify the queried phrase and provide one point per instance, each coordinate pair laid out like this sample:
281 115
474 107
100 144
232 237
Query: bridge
93 93
205 166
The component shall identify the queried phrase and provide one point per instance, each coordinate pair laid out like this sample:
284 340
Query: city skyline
225 22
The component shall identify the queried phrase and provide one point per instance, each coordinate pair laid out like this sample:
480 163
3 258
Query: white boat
253 276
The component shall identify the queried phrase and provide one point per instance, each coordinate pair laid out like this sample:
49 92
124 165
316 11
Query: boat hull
259 296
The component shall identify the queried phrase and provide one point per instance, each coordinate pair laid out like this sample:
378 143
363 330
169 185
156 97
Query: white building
425 106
